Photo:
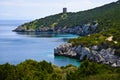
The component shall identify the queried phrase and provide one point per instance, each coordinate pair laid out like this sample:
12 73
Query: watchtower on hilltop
64 10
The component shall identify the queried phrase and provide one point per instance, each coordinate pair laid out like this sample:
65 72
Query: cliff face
93 53
80 30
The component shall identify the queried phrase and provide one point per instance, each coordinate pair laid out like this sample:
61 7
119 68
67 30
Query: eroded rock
105 56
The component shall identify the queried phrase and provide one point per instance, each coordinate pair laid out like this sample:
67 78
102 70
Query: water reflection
64 37
38 34
46 34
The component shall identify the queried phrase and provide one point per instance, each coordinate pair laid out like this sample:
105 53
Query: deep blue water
17 47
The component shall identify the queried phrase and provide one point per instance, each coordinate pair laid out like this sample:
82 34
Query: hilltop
82 23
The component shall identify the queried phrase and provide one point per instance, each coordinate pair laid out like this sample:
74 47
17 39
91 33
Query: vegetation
33 70
107 16
94 71
101 39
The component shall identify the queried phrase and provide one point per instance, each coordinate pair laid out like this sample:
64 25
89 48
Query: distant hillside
107 16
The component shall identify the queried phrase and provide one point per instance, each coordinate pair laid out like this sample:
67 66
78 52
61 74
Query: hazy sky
34 9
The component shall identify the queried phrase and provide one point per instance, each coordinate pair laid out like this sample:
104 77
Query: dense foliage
33 70
94 71
107 16
100 39
28 70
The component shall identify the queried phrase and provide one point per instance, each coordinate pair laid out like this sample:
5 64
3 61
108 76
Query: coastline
93 53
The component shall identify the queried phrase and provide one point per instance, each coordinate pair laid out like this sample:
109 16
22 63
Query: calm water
17 47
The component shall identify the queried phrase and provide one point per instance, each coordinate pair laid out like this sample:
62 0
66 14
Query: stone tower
64 10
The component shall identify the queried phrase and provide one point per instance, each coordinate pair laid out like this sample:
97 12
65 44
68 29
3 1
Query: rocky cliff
80 30
93 53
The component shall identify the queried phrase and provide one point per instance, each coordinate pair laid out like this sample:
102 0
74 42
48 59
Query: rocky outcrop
65 50
105 56
80 30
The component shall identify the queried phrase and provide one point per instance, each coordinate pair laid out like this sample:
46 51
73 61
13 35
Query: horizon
33 9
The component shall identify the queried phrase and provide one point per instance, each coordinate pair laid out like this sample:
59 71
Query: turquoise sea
17 47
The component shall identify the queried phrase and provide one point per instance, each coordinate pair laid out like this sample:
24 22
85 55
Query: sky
35 9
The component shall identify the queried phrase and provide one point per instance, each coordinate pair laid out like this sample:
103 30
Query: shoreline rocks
65 50
85 29
104 56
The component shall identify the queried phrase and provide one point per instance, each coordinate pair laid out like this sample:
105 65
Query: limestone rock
95 47
84 52
105 56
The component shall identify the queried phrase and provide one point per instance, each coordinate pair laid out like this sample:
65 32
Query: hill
106 16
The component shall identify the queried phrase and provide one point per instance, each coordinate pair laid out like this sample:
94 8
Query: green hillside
109 26
107 16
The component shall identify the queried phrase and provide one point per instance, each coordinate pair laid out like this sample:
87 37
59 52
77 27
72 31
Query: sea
16 47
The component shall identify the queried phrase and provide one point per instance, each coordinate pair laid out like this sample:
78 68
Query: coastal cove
83 45
16 47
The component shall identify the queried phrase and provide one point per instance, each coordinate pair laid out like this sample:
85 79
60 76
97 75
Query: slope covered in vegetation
102 46
33 70
105 39
107 16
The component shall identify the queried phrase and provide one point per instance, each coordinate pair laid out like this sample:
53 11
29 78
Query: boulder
86 29
84 52
118 62
114 65
65 50
94 47
95 56
78 50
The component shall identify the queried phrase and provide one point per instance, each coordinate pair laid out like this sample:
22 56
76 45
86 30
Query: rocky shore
80 30
93 53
